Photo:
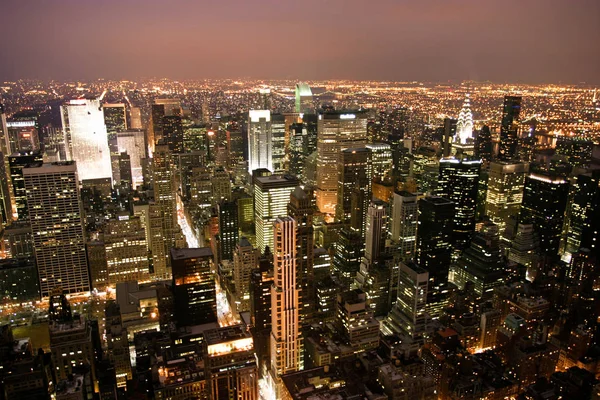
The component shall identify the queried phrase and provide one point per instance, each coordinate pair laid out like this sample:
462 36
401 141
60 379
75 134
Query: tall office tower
337 131
126 250
354 183
509 127
133 142
525 252
347 255
194 289
86 138
59 239
484 147
505 191
16 163
221 185
544 204
17 241
286 336
303 142
381 160
408 316
260 145
434 248
271 197
118 344
458 182
164 199
160 109
278 143
582 211
301 209
404 223
448 136
135 118
481 264
245 260
173 133
376 231
304 99
463 143
228 228
261 281
115 120
6 200
230 364
115 117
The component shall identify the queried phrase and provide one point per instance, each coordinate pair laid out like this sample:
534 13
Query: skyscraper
508 129
544 204
126 250
193 286
484 148
582 211
245 261
463 140
160 109
166 229
354 183
260 146
301 209
505 191
337 130
278 143
458 182
271 197
87 138
286 336
228 228
404 223
173 133
376 231
434 248
304 99
17 162
408 316
57 223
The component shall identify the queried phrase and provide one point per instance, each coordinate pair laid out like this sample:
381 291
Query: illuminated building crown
464 126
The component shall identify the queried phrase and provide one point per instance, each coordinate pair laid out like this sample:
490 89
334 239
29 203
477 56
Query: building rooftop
182 254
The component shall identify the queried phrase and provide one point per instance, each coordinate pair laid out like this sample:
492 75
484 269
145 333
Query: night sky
526 41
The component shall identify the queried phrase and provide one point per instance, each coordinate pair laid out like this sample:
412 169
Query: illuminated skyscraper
17 162
173 133
133 142
286 336
505 191
57 223
381 160
458 182
463 140
228 228
165 229
304 99
245 260
337 131
408 315
434 248
404 223
544 204
271 197
354 186
278 143
126 250
260 146
160 109
376 231
301 209
87 138
582 212
509 127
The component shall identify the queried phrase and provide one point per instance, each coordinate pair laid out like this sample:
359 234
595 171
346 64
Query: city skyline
434 41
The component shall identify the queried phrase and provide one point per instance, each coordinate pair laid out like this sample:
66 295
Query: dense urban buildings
280 239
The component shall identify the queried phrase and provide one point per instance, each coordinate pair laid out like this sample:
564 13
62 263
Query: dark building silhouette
508 129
